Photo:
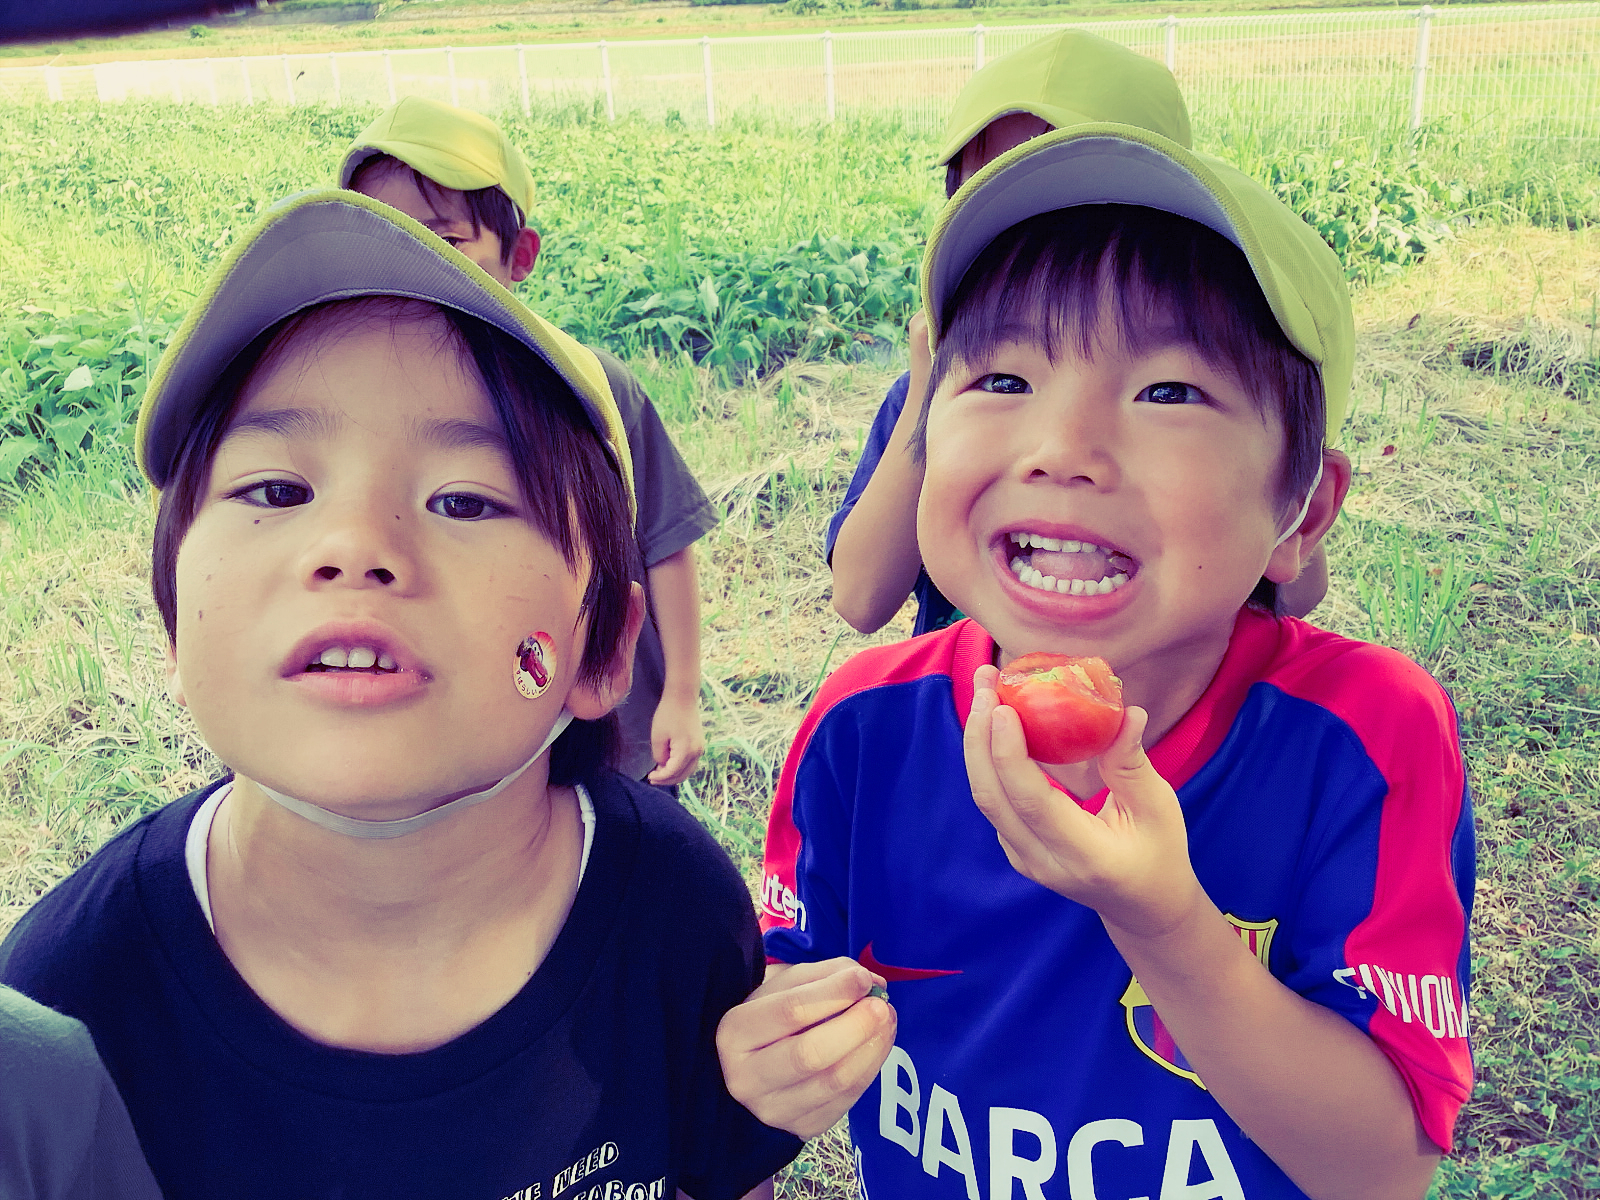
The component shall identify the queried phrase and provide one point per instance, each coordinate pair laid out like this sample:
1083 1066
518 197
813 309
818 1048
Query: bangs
1114 276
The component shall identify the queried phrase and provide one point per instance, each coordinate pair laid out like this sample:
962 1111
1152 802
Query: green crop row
740 247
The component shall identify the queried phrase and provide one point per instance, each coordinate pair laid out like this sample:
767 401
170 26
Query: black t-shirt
598 1080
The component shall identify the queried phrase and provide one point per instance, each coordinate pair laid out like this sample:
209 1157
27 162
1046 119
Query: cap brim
334 245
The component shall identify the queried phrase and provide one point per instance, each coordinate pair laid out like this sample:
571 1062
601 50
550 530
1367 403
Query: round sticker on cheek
536 660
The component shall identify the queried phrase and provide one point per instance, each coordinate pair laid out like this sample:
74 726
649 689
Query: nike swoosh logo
897 974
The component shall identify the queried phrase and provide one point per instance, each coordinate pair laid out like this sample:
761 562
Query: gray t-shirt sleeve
673 513
64 1130
673 510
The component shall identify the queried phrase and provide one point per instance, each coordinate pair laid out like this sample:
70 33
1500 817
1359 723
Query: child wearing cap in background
1069 78
422 942
64 1131
1236 967
457 173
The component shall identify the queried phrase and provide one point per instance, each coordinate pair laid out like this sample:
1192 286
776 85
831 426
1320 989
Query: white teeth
1040 542
1033 577
363 657
385 662
334 656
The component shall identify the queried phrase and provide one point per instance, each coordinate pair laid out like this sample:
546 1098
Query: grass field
1471 540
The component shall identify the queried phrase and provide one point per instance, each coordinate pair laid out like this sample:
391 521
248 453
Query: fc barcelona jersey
1329 819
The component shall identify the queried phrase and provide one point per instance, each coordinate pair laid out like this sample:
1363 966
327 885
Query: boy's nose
1077 447
360 549
380 574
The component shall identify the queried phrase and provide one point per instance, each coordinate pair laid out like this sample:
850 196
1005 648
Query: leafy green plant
1376 218
71 381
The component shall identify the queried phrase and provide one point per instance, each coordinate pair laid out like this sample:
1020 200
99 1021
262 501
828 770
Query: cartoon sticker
536 658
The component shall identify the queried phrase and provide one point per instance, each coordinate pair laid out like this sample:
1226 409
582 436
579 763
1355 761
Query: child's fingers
677 766
1126 768
1045 812
814 1103
803 996
806 1044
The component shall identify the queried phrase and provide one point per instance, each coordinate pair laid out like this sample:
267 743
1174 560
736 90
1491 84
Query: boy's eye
463 506
1172 393
275 493
1007 385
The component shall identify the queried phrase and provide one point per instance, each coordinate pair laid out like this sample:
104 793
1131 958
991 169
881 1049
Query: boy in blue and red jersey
1237 967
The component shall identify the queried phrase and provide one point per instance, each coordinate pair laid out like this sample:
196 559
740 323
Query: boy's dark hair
488 208
1043 281
574 491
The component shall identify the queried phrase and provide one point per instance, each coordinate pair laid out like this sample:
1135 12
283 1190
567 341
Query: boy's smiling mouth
355 664
1066 565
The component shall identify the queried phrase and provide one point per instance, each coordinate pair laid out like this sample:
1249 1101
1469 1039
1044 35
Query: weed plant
1469 540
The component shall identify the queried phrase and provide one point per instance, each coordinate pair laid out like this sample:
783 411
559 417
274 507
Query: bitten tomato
1071 708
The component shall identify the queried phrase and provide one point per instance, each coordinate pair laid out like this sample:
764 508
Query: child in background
422 942
458 174
64 1131
1069 78
1253 986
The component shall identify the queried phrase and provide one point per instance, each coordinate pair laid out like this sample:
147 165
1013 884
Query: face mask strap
1294 525
357 828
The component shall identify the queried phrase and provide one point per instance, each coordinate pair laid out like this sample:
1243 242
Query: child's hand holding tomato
1129 862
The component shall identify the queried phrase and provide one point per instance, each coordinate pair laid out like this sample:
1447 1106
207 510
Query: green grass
1469 543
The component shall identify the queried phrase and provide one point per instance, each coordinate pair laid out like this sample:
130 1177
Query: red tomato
1071 708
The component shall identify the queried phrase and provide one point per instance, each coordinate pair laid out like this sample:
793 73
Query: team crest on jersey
1144 1024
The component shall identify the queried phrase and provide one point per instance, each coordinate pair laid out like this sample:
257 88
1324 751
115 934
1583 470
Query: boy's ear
591 701
174 680
524 252
1326 501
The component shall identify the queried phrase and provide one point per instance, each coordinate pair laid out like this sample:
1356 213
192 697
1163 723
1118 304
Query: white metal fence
1488 72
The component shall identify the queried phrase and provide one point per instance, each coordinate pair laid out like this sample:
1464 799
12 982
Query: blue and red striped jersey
1329 818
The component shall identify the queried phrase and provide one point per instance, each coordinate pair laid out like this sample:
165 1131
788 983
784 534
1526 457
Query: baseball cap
333 244
1117 164
455 147
1070 78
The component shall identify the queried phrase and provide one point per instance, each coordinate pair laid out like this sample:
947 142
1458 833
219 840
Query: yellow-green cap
1116 164
334 244
1070 78
455 147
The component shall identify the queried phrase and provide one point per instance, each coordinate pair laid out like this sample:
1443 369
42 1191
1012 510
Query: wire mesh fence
1490 73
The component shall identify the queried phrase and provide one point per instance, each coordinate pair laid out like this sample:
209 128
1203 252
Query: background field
757 276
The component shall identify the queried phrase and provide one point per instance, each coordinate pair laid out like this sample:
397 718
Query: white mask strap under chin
1294 525
357 828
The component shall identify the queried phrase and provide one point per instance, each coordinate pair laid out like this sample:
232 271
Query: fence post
711 104
605 80
1419 73
211 81
177 82
522 76
977 47
827 70
1171 24
52 83
288 80
388 74
338 92
450 66
249 92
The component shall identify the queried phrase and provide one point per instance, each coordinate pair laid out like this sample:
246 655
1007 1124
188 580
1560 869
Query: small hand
677 740
805 1045
1130 862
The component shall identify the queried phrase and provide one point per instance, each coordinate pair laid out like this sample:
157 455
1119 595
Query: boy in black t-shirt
414 946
